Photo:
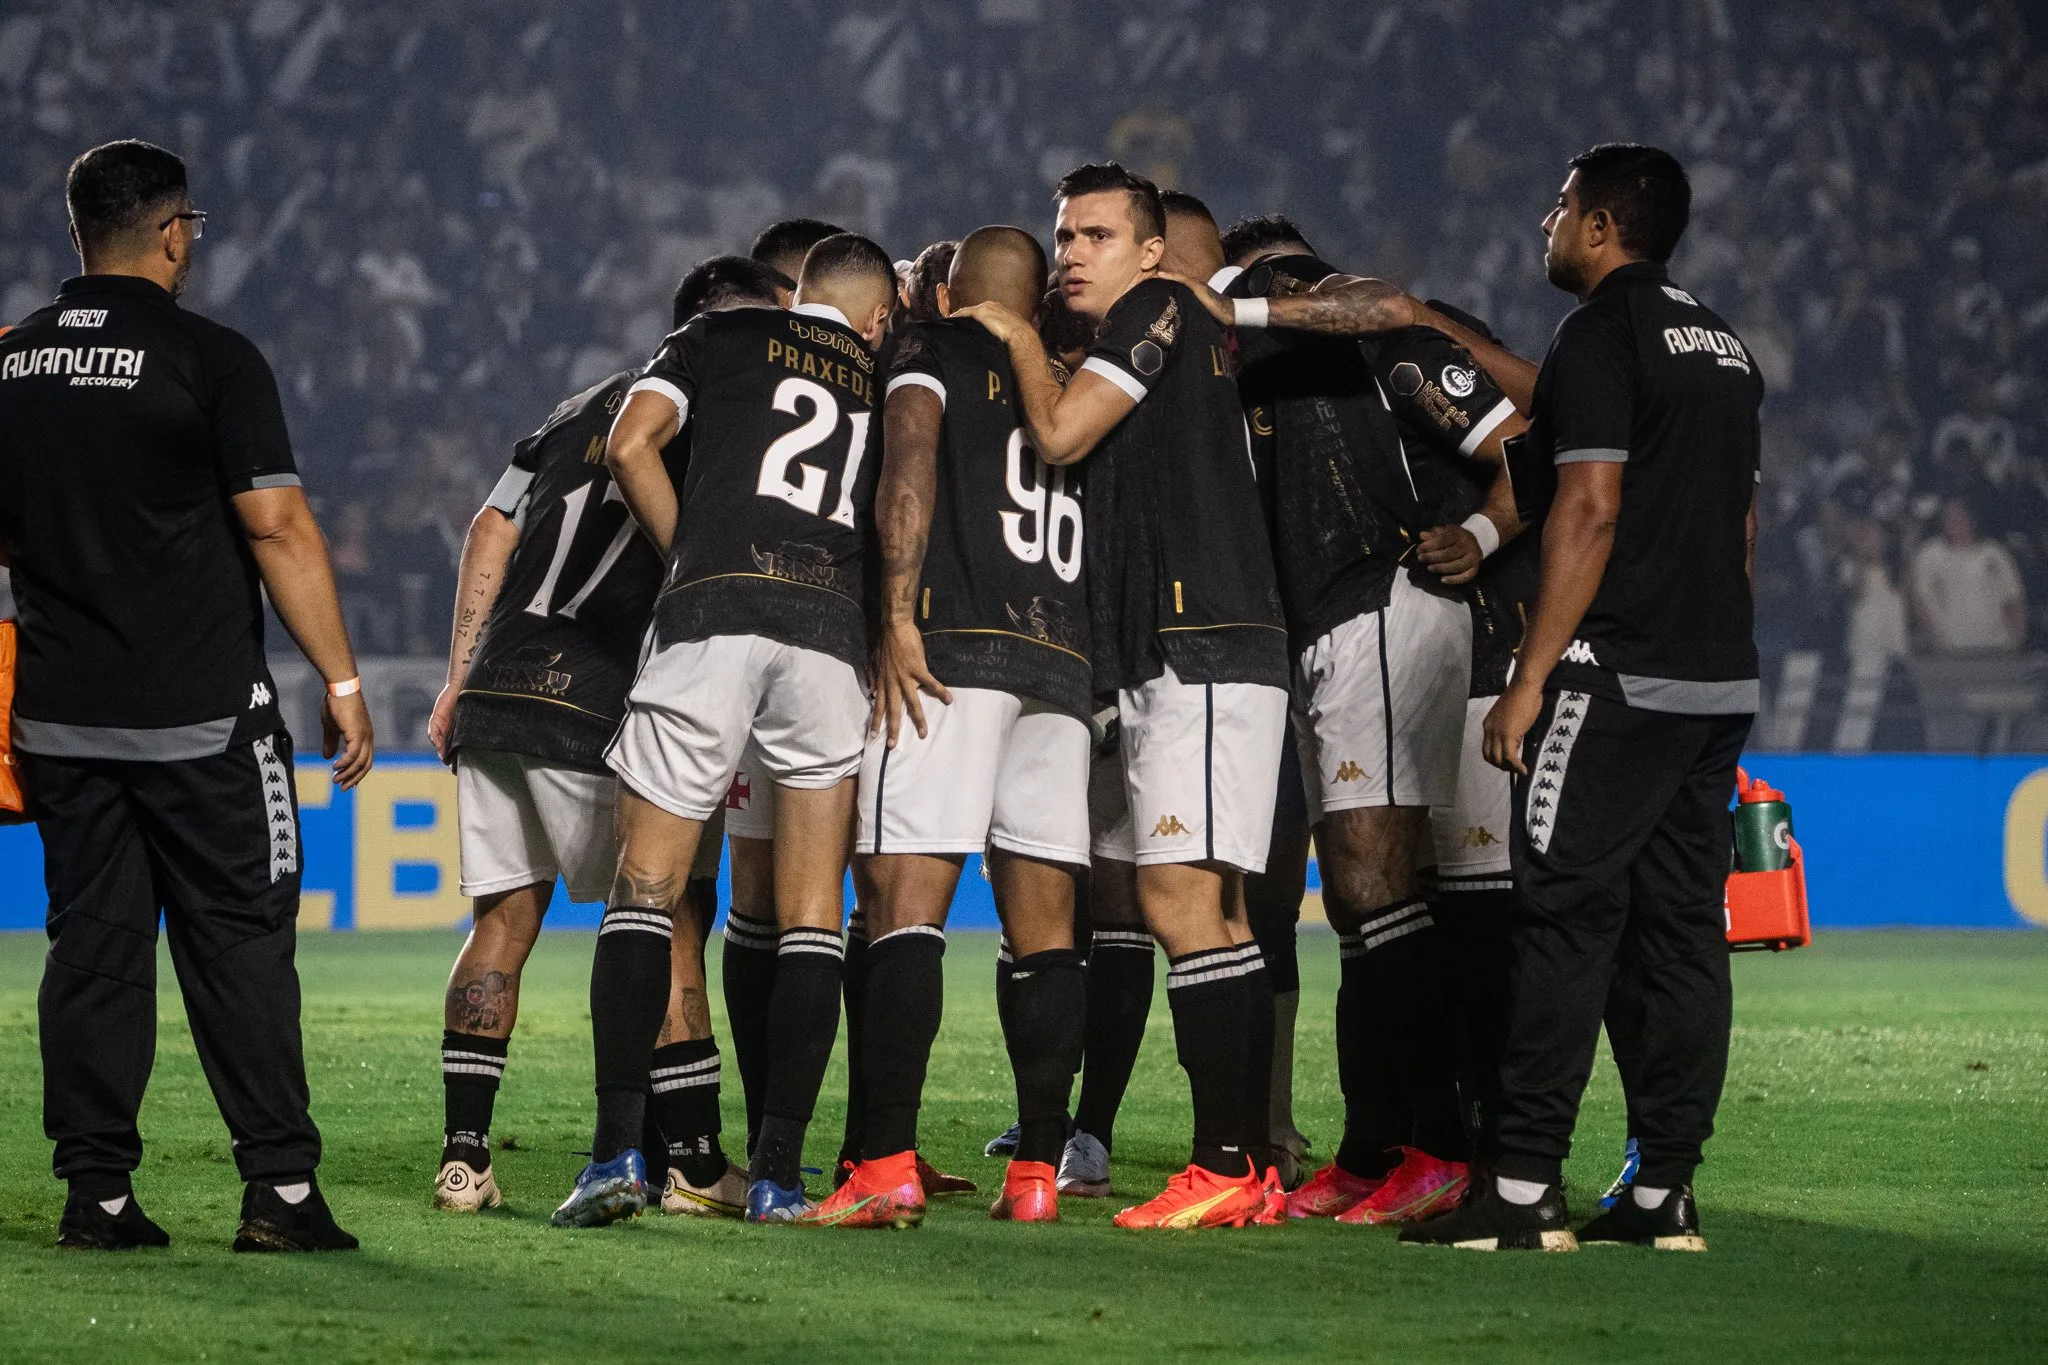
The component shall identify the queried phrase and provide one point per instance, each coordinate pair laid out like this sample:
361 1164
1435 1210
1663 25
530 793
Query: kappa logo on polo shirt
259 695
1579 652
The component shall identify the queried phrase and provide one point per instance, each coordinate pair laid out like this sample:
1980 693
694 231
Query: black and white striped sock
1210 997
684 1079
629 981
747 970
803 1021
471 1068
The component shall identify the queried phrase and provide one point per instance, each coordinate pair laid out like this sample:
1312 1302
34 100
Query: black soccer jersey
1643 375
559 651
1446 406
126 426
1345 509
775 509
1003 600
1180 567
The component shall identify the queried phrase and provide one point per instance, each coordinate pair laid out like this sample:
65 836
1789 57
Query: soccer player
1186 631
556 586
1383 646
759 637
980 739
782 245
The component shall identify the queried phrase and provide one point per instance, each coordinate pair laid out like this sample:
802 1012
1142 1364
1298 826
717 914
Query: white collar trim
822 310
1220 281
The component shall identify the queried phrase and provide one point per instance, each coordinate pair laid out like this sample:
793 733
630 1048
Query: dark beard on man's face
1562 273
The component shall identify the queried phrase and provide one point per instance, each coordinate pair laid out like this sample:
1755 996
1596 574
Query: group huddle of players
1125 571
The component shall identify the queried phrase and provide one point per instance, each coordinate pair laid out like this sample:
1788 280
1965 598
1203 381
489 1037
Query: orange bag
13 800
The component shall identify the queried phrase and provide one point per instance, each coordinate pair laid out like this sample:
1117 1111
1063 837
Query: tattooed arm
486 550
911 418
1342 305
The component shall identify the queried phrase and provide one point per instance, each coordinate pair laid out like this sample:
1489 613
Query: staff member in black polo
146 485
1631 699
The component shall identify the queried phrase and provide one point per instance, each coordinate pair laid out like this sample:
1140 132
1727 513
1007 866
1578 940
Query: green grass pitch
1877 1192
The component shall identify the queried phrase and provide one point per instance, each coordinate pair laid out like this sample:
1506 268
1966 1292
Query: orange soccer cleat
883 1193
936 1181
1199 1198
1418 1188
1272 1201
1330 1192
1028 1194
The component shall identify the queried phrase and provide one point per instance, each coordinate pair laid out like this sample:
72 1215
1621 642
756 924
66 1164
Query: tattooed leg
483 989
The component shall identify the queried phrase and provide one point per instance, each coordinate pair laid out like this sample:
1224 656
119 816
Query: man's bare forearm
291 556
1511 374
1038 393
1358 307
1578 535
486 551
649 495
903 503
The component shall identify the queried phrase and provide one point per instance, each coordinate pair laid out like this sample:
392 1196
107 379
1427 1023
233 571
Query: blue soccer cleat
1631 1162
605 1192
768 1202
1004 1143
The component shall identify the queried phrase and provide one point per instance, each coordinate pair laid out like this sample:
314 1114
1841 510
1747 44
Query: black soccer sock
629 979
1368 1133
1120 974
1403 1067
854 988
700 899
906 982
1211 1007
803 1020
1476 924
1274 932
685 1078
1043 1032
1258 1077
747 969
1006 966
471 1067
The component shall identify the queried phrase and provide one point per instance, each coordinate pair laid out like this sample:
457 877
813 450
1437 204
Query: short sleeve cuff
252 482
651 384
1593 455
1484 427
511 489
917 379
1116 375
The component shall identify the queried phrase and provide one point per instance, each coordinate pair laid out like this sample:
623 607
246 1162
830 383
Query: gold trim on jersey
1014 635
767 577
532 696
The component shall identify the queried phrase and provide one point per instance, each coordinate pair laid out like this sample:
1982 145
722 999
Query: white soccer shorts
993 768
523 820
695 706
1379 704
1201 770
750 800
1471 833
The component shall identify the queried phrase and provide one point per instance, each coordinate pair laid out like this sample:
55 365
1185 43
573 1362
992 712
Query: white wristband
1482 528
1249 312
348 687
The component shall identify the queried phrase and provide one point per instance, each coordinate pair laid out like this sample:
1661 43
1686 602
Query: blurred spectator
1877 609
1967 590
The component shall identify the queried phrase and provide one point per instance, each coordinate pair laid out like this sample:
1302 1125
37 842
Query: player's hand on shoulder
1002 324
441 723
902 681
1452 553
345 737
1222 309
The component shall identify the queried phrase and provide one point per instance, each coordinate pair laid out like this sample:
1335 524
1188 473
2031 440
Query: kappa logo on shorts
1479 836
1347 771
1168 827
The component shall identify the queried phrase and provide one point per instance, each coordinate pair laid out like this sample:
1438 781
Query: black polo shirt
126 425
1644 375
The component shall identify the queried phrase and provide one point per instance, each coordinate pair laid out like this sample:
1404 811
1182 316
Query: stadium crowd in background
436 219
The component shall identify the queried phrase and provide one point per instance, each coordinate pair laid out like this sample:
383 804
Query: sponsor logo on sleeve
1677 295
1146 358
1406 379
1458 381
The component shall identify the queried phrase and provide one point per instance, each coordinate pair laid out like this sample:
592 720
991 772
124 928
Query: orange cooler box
1768 909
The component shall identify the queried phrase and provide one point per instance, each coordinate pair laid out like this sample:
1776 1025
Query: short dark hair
1181 204
849 253
1148 215
927 273
117 187
1644 190
722 281
788 240
1248 237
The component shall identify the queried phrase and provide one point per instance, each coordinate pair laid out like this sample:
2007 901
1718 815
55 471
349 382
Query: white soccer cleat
725 1197
458 1189
1084 1168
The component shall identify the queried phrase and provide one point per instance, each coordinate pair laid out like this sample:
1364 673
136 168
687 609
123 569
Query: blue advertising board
1890 839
